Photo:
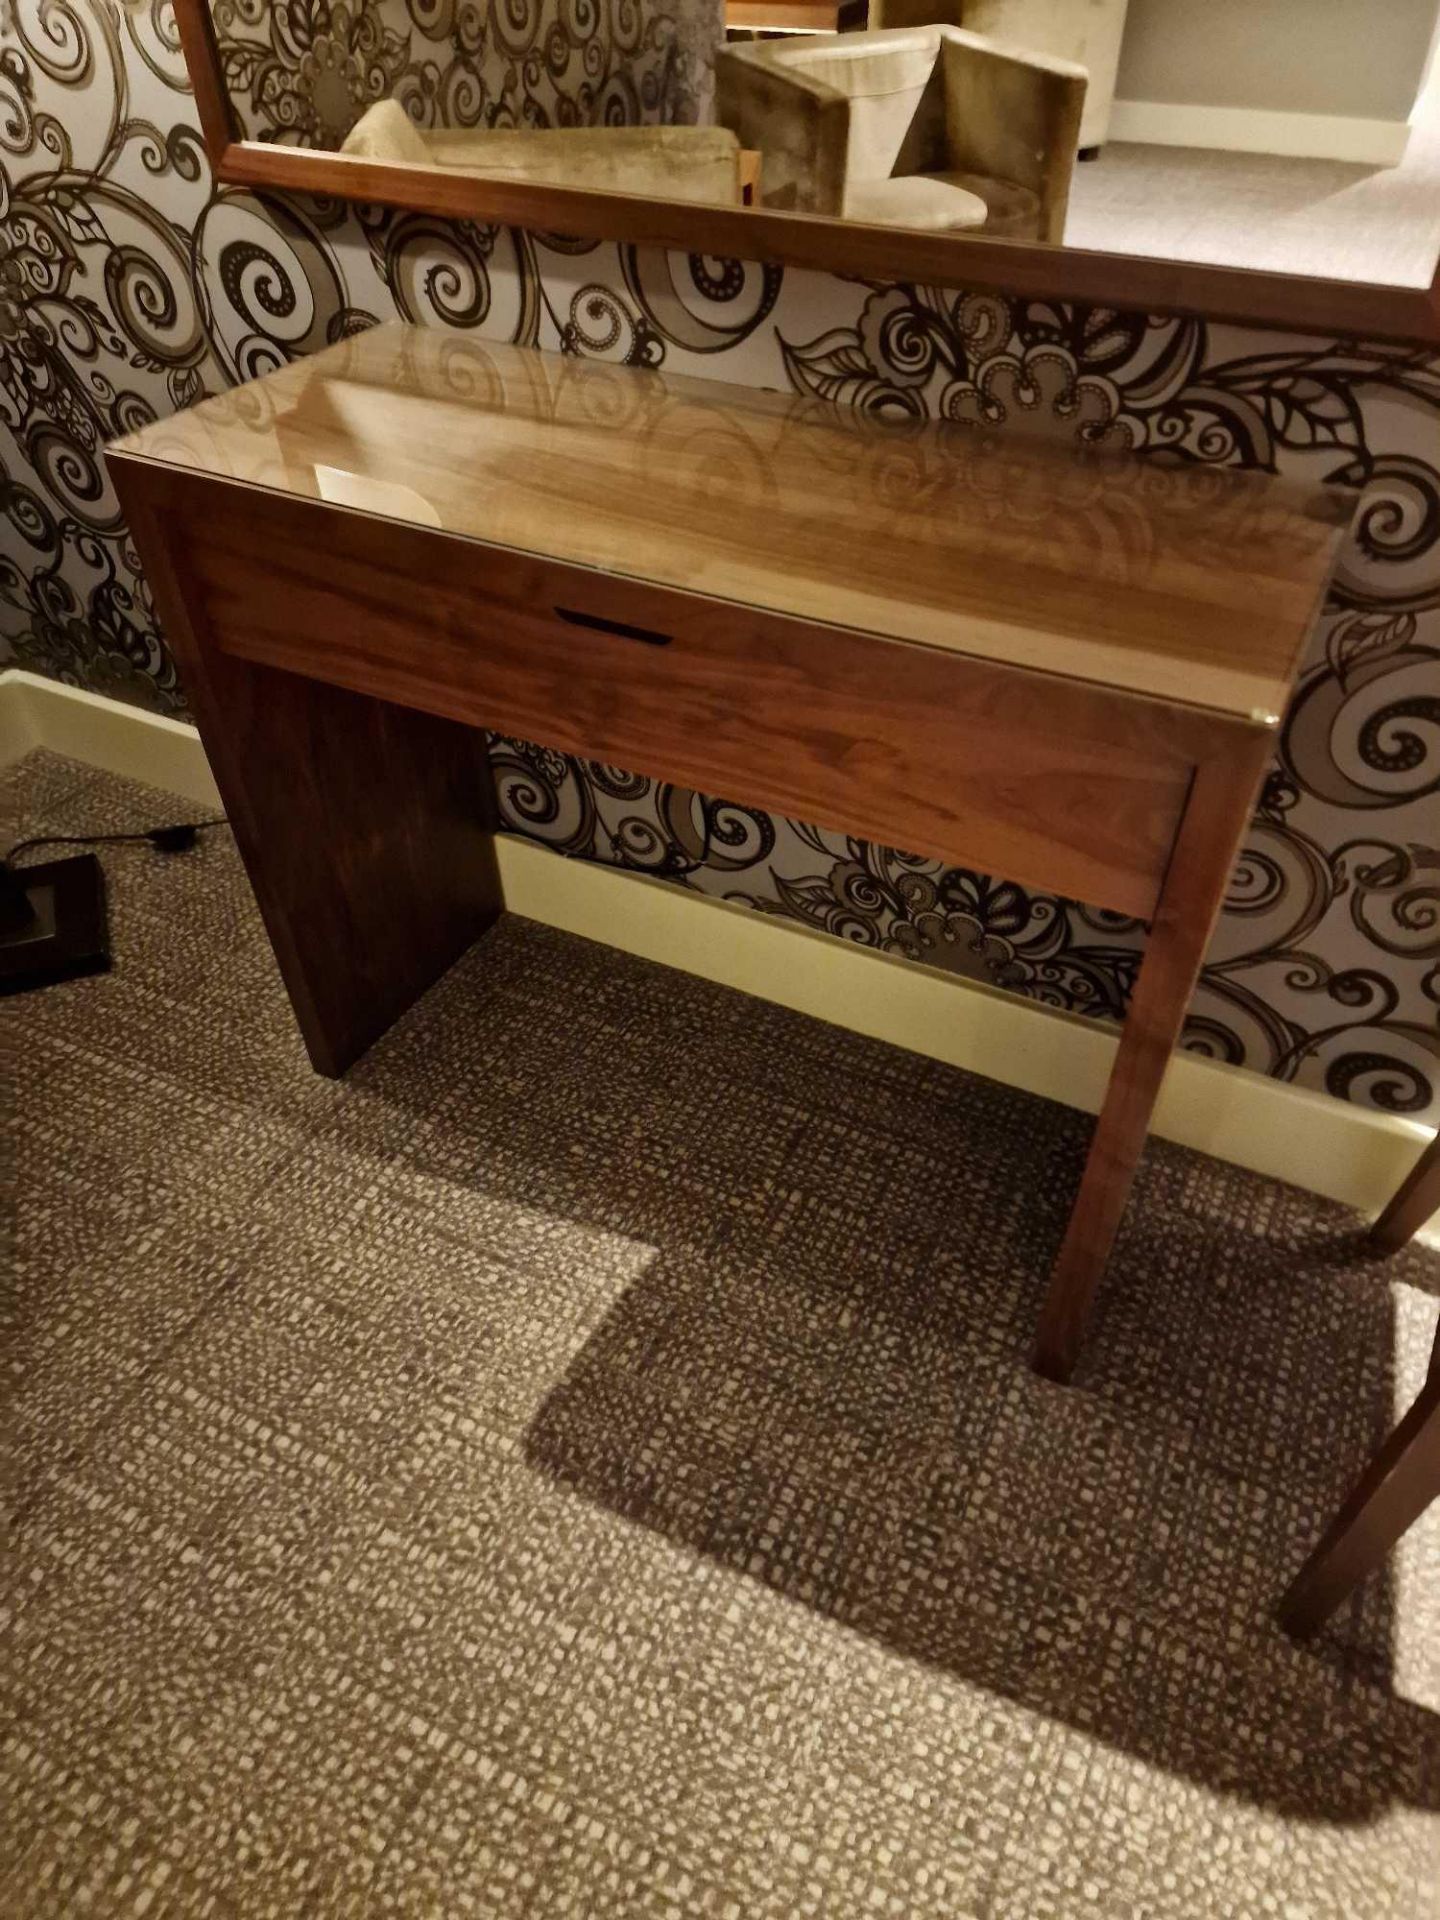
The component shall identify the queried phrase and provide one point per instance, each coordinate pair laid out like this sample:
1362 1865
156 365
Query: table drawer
1037 778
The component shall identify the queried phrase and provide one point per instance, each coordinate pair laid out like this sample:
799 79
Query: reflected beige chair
661 163
1088 31
929 127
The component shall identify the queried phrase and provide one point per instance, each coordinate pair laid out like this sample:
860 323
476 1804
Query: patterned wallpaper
129 285
303 71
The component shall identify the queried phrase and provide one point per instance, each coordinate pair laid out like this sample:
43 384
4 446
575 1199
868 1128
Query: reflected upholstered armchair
700 164
1088 31
928 127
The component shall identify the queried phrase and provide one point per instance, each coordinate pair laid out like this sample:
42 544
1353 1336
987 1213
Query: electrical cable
177 837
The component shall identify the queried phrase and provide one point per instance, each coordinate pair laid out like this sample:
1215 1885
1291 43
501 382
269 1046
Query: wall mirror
1270 160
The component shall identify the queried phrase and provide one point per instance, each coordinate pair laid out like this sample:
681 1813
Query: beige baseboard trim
108 734
1296 136
1289 1133
17 731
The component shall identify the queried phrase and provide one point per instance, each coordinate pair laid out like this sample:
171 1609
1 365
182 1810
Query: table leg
1417 1197
1392 1493
1216 815
366 828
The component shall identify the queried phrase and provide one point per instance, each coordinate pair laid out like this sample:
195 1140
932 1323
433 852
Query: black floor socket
52 923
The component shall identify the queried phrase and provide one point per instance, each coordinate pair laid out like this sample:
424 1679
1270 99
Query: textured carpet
585 1464
1266 211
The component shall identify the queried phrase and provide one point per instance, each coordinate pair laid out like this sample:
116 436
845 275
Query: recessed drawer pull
602 625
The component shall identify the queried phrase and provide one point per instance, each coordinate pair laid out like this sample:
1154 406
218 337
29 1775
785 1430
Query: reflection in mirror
1296 135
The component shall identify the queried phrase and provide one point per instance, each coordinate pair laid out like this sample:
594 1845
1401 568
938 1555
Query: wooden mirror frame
1352 308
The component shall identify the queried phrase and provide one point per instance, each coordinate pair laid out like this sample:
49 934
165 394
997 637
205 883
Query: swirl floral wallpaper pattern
130 285
303 71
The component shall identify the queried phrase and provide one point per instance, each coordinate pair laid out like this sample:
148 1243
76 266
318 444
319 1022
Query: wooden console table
1063 669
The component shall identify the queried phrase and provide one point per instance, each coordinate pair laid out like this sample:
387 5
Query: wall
1351 57
303 71
129 286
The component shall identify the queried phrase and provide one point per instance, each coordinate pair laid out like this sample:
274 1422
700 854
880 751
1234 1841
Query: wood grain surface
1061 668
1396 1487
1216 815
366 829
931 752
1185 583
